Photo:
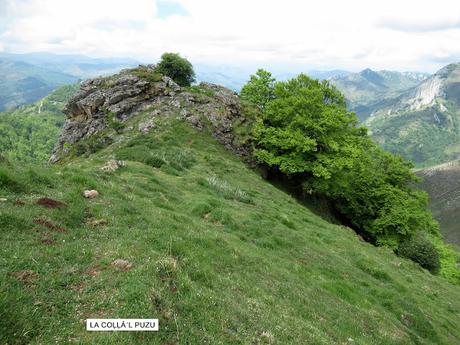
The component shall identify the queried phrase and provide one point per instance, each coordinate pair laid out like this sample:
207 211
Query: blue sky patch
167 9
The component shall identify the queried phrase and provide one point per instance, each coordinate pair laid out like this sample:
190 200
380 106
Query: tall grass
228 191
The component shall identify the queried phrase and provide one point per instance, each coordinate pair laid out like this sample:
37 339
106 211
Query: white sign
122 324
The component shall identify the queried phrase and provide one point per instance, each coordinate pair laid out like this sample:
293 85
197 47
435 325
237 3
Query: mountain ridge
368 88
182 230
422 124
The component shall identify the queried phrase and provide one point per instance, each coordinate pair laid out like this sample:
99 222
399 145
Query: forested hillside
29 133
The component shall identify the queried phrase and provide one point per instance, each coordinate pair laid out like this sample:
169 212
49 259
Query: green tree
377 197
259 90
306 128
306 132
177 68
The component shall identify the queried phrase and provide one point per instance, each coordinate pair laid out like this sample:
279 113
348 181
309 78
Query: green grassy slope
219 255
442 183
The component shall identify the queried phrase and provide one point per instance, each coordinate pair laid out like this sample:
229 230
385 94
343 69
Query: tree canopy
177 68
306 132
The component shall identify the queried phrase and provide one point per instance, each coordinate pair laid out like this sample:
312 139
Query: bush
421 250
177 68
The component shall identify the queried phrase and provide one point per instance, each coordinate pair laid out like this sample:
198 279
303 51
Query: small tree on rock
177 68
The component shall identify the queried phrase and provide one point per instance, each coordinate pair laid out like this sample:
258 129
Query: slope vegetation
442 182
29 133
185 232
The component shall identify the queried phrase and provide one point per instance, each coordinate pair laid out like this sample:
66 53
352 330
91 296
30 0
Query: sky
328 34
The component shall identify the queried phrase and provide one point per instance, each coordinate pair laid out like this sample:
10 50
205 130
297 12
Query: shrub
449 258
177 68
419 249
92 144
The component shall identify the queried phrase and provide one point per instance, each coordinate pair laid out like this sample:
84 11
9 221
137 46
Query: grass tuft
227 191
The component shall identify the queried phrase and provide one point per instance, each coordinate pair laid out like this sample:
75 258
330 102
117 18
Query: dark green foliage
419 249
377 197
177 68
10 182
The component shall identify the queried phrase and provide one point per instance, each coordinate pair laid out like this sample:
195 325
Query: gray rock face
122 96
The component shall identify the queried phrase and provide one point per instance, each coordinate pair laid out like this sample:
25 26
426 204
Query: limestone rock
145 127
91 194
113 165
102 101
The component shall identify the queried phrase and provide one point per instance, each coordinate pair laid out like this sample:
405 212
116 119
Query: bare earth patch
48 224
26 276
50 203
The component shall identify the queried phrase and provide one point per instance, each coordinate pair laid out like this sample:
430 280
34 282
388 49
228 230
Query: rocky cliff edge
103 101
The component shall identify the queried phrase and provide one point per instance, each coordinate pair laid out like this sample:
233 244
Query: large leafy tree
305 131
306 128
177 68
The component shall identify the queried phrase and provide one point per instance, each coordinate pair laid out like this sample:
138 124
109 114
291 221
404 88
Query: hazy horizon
242 66
290 35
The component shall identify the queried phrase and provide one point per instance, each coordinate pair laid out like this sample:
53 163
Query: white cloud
391 34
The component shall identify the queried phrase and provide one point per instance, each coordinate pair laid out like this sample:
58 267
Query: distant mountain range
235 77
421 123
368 89
26 78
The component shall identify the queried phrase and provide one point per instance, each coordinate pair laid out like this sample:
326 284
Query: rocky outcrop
102 101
